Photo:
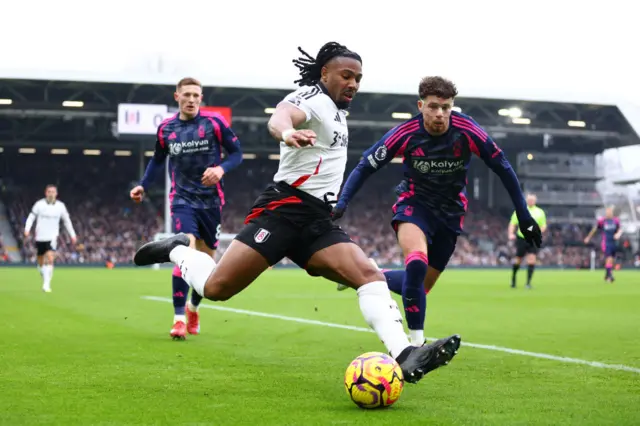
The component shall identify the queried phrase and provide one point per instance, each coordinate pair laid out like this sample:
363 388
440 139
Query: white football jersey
48 217
317 169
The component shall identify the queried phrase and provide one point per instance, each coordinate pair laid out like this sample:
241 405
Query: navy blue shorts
609 250
441 240
204 224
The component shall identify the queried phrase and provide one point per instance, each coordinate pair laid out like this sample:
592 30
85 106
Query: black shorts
523 247
44 246
287 222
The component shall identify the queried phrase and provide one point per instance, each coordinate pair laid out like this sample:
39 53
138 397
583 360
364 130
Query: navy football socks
414 298
180 292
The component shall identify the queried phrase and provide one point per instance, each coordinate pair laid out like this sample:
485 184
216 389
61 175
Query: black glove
531 232
338 211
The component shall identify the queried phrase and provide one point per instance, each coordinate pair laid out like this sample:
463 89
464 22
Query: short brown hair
438 86
50 186
188 81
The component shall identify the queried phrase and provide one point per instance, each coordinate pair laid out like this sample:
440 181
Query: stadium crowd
109 225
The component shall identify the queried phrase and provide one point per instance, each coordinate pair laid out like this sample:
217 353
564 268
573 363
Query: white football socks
47 274
417 337
382 314
195 266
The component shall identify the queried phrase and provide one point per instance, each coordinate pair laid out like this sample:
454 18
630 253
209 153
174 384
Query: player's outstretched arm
284 121
484 147
380 154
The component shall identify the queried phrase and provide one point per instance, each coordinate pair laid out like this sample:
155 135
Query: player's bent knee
218 291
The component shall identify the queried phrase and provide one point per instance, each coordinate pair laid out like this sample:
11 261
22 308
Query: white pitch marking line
368 330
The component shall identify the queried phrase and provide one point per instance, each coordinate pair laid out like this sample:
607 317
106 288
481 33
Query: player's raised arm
391 145
484 147
155 165
290 114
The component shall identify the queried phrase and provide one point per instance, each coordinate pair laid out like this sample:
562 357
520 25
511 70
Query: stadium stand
95 190
554 161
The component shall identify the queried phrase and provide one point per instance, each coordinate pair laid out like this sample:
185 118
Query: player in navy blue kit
609 225
436 146
193 140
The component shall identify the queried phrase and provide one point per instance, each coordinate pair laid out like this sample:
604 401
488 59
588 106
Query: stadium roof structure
82 112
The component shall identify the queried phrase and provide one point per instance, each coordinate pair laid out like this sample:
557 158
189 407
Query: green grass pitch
95 351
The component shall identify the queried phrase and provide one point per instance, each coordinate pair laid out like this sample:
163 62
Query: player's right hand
137 194
586 240
512 237
301 138
26 234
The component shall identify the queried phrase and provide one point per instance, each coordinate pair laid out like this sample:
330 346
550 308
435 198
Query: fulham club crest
261 236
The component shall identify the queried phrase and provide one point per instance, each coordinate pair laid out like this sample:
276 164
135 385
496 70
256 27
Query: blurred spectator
110 225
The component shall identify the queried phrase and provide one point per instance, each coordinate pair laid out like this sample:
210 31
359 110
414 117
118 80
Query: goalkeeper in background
523 248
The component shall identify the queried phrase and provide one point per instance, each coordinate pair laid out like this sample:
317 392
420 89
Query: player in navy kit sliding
193 140
611 233
436 146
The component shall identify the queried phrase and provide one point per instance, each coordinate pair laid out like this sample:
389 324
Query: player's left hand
338 210
531 232
74 240
212 175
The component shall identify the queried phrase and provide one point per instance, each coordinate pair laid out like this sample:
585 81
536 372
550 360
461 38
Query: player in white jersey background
292 217
47 213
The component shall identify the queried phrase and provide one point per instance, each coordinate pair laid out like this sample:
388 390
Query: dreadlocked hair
311 69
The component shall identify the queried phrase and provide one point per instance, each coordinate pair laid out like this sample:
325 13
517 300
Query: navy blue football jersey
435 167
193 146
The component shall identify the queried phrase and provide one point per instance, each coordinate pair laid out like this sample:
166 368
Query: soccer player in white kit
48 212
292 217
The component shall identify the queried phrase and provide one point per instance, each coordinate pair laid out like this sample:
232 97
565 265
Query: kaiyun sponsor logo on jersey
440 167
179 148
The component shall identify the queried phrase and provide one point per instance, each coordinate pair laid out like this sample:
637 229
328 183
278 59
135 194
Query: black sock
530 273
515 271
